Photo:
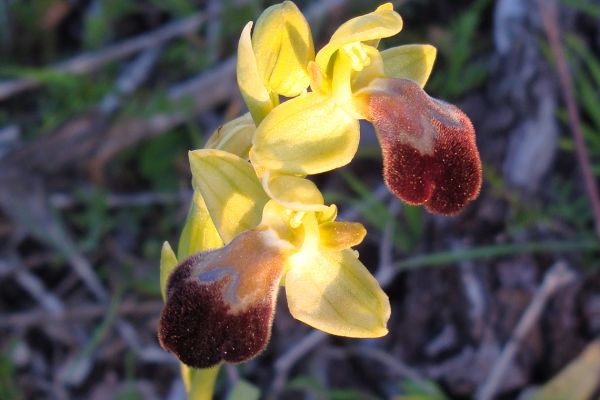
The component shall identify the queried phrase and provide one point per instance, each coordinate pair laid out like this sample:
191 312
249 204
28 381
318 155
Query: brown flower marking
429 152
220 303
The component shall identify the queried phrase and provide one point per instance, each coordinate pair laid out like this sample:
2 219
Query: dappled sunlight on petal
255 94
332 291
306 135
341 235
231 190
294 192
412 61
234 137
283 47
199 232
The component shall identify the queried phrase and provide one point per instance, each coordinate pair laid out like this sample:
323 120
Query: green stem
477 253
199 383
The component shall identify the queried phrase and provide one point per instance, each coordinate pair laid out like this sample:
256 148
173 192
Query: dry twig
90 62
38 317
556 278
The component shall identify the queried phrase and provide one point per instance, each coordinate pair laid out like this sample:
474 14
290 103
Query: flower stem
199 383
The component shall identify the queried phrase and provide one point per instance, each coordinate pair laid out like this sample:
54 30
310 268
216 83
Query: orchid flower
429 151
220 303
257 223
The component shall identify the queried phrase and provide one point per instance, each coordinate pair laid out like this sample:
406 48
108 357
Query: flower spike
258 223
429 151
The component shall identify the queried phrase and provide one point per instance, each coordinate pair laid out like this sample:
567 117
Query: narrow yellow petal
233 194
234 137
168 262
199 232
283 47
383 22
334 292
305 135
412 61
339 235
255 94
318 83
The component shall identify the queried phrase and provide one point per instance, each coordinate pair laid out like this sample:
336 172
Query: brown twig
92 61
121 200
196 95
550 22
556 278
284 364
42 317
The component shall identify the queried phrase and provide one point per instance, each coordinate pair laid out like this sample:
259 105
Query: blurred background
100 100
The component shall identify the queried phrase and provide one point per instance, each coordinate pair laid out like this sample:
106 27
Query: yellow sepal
199 232
412 61
168 262
337 235
231 190
383 22
305 135
234 137
283 47
255 94
334 292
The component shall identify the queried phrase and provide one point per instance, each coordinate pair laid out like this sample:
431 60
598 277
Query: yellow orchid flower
429 150
221 302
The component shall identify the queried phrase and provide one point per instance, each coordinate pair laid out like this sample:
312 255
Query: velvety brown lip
430 156
212 313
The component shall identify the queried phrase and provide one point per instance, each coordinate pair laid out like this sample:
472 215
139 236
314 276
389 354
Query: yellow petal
255 94
168 262
412 61
383 22
283 47
341 235
334 292
233 194
234 137
305 135
294 192
199 232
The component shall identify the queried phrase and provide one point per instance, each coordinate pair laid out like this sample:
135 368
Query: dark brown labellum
220 303
429 152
